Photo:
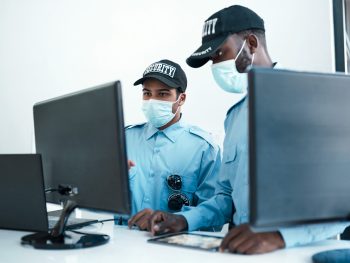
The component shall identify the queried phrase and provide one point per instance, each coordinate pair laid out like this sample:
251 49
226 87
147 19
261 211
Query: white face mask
159 112
228 78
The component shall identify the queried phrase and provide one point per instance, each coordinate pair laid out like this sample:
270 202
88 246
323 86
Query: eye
147 93
163 94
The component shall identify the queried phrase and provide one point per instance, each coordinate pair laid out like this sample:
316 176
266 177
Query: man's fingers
132 221
231 235
163 222
158 223
246 245
256 249
143 225
143 222
238 240
161 228
154 220
258 243
130 164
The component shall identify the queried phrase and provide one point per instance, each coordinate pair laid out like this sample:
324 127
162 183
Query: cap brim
171 84
204 52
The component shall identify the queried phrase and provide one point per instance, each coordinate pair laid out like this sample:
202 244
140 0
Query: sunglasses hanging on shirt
177 199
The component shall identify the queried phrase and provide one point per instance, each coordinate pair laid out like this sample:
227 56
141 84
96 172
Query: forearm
304 234
212 213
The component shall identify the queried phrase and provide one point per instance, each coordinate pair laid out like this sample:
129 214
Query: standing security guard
174 165
234 39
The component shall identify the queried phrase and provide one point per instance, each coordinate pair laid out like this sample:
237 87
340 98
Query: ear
252 43
182 99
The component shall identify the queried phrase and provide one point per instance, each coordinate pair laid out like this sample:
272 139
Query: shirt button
156 150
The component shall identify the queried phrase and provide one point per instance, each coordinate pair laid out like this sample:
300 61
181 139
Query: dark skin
240 239
162 222
230 48
154 89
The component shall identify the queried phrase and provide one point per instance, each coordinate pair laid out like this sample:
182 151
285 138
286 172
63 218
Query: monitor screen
82 142
22 197
299 147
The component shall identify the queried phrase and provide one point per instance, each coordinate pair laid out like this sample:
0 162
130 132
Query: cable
82 233
66 190
105 220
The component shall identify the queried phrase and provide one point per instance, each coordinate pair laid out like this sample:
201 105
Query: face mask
228 78
159 112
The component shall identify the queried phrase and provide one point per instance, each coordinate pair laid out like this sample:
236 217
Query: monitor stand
74 222
60 238
332 256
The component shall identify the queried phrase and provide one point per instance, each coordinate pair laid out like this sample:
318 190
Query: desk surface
132 246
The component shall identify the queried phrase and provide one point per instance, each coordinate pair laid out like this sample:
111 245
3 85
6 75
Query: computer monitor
299 147
22 193
82 142
81 139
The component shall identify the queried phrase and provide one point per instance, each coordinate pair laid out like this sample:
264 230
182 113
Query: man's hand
130 164
163 222
141 219
242 240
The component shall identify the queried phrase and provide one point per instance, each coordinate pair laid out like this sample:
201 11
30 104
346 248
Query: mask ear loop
251 64
178 107
240 51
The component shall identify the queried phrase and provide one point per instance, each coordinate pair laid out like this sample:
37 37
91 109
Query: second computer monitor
82 142
299 147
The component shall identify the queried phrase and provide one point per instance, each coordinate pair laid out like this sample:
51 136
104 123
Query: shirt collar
150 131
172 132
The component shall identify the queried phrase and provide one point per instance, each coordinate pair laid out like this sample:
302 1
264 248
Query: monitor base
68 240
58 238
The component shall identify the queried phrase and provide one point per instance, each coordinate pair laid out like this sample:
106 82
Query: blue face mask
159 112
228 78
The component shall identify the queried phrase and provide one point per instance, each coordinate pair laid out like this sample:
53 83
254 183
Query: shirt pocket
230 154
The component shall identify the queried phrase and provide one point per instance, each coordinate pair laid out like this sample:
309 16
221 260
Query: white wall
49 48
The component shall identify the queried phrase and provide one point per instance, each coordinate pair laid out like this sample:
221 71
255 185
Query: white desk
131 246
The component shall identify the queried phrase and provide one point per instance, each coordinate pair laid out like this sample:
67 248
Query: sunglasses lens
175 204
176 201
174 181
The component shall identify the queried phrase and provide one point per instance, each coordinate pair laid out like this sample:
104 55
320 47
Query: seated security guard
173 165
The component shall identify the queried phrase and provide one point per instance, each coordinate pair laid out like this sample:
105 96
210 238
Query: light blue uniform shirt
180 149
233 187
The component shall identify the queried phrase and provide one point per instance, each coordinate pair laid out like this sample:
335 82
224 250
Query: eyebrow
164 90
145 89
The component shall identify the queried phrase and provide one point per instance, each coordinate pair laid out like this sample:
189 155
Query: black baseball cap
166 71
219 26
